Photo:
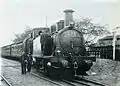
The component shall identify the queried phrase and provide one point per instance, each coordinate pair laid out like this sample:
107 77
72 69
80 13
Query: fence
105 52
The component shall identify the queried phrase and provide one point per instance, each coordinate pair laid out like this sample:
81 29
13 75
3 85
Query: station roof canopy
110 37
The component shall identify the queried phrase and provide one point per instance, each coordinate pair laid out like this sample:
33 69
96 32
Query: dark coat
28 46
44 38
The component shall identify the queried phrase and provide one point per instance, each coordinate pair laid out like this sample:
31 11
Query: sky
17 15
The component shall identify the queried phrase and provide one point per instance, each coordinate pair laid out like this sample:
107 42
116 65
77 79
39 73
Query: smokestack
68 17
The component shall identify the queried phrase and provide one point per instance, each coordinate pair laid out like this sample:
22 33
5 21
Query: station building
104 48
108 41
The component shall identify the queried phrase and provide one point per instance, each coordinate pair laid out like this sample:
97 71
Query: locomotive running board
38 56
93 58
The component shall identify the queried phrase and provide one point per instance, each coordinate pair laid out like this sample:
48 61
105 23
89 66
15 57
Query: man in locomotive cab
46 43
27 54
49 49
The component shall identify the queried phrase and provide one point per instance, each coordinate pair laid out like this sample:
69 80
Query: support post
114 39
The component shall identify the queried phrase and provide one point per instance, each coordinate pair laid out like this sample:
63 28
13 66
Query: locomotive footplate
92 58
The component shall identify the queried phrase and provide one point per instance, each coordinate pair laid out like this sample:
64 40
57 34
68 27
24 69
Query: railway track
5 80
82 83
73 82
87 82
44 78
69 82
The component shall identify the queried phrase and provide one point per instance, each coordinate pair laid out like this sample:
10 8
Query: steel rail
89 82
74 82
93 82
47 79
83 83
68 82
12 66
6 80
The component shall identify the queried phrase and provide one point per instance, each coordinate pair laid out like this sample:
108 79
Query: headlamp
58 51
49 64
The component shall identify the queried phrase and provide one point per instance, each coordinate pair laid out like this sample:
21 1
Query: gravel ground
15 77
105 71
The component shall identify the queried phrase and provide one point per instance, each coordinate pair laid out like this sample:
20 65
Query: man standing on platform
30 52
26 58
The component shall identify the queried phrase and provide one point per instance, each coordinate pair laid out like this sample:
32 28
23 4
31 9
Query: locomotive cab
47 44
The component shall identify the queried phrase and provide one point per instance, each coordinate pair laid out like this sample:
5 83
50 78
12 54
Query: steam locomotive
64 52
69 54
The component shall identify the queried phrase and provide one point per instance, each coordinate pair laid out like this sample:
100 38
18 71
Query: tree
22 36
90 30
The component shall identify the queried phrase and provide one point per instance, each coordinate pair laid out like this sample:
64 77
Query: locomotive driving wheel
49 70
68 74
52 71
